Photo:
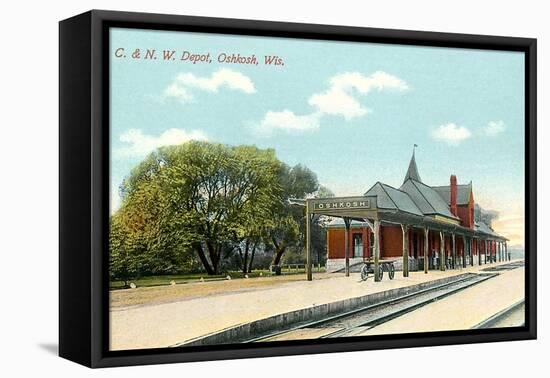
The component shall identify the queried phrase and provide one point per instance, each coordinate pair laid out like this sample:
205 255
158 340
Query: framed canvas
235 188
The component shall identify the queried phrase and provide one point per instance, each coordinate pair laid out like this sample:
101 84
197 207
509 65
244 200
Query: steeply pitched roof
426 198
412 172
388 197
483 227
462 193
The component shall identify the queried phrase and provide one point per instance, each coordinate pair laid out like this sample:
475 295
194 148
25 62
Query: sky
349 111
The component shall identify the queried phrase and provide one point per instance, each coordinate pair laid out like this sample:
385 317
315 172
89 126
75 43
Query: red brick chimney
453 193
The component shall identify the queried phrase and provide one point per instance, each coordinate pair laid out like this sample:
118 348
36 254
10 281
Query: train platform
465 309
167 324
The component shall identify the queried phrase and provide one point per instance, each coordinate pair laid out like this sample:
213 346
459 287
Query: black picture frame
84 186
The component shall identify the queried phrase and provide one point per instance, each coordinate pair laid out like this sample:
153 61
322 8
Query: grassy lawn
150 281
163 292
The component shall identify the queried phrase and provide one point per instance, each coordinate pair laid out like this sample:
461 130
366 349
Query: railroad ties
354 322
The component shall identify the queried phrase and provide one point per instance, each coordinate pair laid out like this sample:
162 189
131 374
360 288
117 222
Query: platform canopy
393 206
382 203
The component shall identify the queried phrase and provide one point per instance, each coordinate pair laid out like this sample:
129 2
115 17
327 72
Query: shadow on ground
51 348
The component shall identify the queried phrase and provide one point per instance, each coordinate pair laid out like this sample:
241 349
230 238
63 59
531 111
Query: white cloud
338 102
341 97
451 134
494 128
179 92
181 88
138 144
288 121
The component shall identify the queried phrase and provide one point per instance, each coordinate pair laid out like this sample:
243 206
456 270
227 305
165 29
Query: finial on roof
412 172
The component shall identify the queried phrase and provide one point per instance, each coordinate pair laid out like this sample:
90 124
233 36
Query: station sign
338 204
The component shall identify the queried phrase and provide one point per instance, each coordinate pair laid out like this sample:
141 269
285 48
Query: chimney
453 193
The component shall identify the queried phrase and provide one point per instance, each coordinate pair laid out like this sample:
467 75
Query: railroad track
512 316
510 266
356 321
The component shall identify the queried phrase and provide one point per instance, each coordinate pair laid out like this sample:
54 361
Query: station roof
389 198
484 228
412 171
462 193
417 203
426 198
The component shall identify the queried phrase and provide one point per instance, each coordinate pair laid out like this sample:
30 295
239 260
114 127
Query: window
357 245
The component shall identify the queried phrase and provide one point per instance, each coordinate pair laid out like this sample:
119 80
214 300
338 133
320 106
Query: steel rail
381 304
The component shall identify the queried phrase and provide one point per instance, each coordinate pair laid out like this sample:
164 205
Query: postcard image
267 189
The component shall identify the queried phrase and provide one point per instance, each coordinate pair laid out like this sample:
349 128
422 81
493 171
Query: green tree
144 239
297 182
215 192
207 201
125 260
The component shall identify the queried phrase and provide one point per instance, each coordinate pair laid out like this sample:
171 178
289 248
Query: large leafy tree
143 237
288 220
206 201
219 191
201 196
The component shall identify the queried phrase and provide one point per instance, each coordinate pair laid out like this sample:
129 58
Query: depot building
425 227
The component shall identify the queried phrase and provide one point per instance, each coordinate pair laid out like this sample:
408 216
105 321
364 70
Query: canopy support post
309 272
454 250
405 230
347 222
376 250
426 242
442 254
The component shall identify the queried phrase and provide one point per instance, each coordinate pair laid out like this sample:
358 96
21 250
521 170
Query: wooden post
442 254
476 243
480 249
405 230
470 247
376 250
464 246
454 250
426 232
309 273
506 251
472 259
346 244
